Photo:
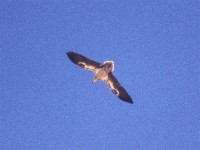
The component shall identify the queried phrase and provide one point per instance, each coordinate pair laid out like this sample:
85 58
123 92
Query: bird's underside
102 72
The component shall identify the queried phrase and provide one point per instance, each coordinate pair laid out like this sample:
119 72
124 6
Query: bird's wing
117 89
83 62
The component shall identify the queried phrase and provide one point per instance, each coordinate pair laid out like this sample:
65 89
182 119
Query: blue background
46 102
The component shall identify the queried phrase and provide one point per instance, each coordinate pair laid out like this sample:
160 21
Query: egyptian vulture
102 72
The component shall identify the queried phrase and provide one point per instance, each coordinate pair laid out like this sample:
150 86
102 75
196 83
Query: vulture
102 72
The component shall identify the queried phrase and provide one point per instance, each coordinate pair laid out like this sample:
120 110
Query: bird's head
110 64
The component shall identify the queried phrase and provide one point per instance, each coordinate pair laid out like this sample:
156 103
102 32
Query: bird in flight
102 72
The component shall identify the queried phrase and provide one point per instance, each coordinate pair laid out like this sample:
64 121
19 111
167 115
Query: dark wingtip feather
71 56
127 99
70 52
125 96
131 101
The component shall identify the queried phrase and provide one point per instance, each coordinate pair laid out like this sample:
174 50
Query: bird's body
102 72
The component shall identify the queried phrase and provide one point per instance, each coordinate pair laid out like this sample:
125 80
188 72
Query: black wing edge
124 95
75 58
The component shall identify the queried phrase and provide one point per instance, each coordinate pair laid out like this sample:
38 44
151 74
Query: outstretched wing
117 89
83 62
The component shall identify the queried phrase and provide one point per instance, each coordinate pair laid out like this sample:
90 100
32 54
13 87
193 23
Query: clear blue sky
46 102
